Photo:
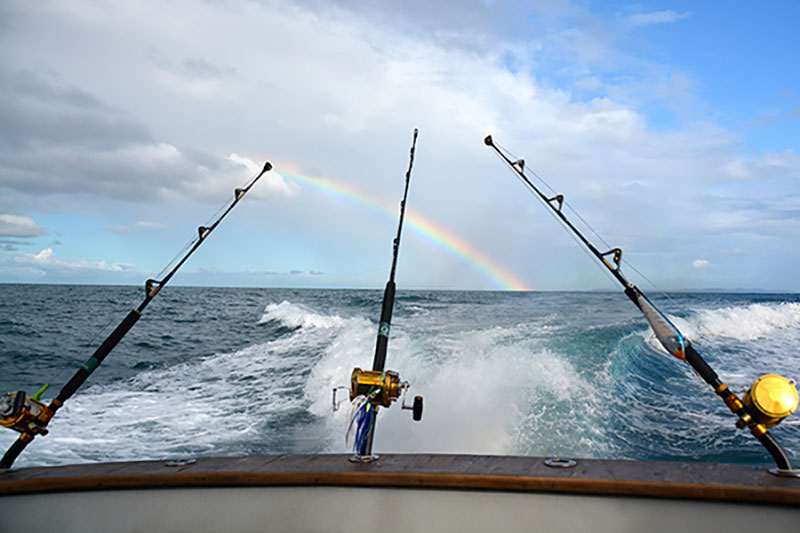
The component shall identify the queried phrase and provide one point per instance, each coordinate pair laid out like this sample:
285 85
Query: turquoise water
221 371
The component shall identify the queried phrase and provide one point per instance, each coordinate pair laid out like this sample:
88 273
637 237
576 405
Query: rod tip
267 166
488 141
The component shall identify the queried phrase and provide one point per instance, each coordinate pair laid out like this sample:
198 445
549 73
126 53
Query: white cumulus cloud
47 258
333 90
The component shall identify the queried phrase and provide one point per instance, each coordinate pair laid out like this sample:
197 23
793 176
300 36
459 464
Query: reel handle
415 408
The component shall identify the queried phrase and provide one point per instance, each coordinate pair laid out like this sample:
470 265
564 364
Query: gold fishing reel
381 389
771 399
25 414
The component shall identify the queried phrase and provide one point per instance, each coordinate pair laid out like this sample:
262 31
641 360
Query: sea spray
250 371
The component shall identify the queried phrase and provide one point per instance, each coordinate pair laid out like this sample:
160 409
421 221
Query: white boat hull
397 493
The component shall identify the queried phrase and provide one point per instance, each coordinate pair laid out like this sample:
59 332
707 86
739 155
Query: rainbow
440 237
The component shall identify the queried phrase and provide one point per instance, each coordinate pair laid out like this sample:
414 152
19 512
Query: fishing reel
370 390
380 389
769 400
25 414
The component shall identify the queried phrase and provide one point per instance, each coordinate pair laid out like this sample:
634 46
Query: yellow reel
771 399
382 387
22 413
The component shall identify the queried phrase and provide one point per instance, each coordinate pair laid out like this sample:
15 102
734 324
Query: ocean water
223 371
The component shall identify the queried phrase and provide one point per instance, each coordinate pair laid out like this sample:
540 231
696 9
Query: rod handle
14 450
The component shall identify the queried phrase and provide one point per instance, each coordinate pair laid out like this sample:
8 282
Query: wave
298 315
748 322
494 390
509 376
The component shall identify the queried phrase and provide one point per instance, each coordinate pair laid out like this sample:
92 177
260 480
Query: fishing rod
29 416
388 294
768 401
370 389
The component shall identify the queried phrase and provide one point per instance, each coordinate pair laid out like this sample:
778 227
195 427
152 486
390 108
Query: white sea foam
478 387
196 407
748 322
297 315
777 323
205 406
488 387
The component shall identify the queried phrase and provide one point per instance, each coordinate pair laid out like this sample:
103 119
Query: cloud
775 118
11 245
251 278
19 226
271 184
333 89
47 259
35 110
700 263
57 139
656 17
151 225
120 230
769 166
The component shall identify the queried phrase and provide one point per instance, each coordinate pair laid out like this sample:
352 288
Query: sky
671 128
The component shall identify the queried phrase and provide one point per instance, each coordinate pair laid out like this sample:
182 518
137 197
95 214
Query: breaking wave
576 375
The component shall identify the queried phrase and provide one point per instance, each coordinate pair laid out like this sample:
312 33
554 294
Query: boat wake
500 373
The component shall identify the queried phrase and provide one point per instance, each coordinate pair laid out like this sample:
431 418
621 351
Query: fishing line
59 377
30 417
553 191
601 239
555 217
661 291
381 387
195 238
588 226
178 255
75 355
751 414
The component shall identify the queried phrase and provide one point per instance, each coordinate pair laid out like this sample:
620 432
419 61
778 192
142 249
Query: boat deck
696 481
398 493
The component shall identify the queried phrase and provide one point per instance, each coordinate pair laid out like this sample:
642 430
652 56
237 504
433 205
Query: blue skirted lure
361 424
